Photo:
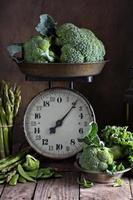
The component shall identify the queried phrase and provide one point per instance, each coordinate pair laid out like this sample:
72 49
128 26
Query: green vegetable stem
10 99
14 180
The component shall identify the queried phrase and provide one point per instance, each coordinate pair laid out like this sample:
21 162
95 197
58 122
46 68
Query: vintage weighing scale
56 117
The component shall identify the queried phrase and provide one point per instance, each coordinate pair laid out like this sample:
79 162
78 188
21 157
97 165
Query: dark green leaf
91 138
85 183
14 48
46 26
118 182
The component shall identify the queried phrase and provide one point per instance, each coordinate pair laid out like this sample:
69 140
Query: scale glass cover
55 119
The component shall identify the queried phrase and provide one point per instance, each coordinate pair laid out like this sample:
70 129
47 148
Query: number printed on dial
55 119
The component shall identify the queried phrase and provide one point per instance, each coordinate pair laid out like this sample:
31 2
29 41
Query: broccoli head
69 54
82 40
96 159
37 49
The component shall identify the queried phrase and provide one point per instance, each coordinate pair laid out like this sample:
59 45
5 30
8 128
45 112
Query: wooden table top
66 188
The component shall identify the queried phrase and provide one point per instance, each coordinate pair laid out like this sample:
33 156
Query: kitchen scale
57 117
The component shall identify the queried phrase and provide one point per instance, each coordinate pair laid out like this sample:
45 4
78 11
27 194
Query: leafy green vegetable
114 167
122 138
91 138
24 174
118 182
130 159
85 183
33 173
14 49
21 179
46 26
31 163
120 167
45 173
117 135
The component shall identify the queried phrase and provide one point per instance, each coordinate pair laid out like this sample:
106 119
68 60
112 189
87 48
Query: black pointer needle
60 121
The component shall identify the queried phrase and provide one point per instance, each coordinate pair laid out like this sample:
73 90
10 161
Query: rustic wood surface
131 184
62 188
107 192
66 188
1 189
20 192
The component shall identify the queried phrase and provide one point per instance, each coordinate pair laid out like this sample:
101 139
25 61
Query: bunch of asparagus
23 167
10 99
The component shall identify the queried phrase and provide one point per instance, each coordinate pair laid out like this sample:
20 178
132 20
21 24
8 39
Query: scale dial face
55 119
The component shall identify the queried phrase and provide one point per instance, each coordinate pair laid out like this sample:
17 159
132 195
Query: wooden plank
1 189
106 192
18 192
131 186
65 188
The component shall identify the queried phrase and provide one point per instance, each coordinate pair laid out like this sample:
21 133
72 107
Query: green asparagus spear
12 166
3 176
17 102
10 102
2 181
5 159
10 175
4 129
7 107
14 159
2 148
14 180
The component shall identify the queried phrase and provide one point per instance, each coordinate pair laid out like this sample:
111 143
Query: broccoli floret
82 40
68 34
105 155
95 159
37 49
70 55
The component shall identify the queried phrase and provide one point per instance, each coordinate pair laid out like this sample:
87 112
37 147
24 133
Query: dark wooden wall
111 20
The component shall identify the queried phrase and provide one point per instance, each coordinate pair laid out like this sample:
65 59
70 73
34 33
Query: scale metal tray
61 70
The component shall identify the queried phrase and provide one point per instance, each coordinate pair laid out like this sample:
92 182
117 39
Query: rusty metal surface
61 69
